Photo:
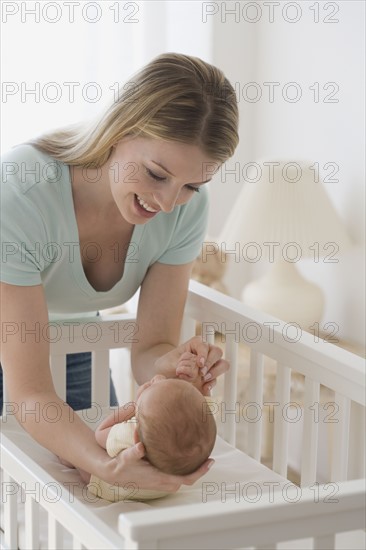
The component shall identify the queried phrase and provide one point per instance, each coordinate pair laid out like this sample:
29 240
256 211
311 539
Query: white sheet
234 476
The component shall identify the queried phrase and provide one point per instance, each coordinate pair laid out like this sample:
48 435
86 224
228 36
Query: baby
173 421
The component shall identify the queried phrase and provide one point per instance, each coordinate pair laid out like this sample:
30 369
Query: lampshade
285 215
285 205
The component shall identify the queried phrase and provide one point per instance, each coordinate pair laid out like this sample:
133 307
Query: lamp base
285 294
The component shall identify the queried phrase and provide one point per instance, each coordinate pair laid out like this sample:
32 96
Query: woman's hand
189 370
209 361
130 467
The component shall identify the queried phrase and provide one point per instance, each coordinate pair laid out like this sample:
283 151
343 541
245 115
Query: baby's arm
117 416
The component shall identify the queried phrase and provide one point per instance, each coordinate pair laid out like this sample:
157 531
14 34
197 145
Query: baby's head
175 425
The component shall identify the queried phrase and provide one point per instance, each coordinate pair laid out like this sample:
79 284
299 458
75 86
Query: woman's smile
146 206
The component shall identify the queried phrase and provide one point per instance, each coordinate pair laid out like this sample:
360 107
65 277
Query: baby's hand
188 369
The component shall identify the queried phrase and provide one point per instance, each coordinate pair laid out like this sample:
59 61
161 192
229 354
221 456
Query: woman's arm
25 361
161 305
159 316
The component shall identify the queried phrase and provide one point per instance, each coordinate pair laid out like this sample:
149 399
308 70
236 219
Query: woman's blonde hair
175 97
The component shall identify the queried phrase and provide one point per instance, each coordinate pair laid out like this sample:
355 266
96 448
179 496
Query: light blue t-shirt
40 241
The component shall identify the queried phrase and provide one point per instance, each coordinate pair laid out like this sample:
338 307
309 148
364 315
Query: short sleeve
23 238
189 232
120 437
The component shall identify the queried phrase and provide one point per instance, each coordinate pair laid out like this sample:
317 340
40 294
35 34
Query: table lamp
285 215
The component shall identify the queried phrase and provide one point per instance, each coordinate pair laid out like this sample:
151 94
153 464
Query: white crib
39 509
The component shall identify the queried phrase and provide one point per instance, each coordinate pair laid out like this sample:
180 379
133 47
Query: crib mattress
234 476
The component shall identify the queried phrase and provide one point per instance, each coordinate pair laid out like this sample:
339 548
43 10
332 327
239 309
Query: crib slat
310 433
188 328
280 443
256 397
230 388
356 458
10 511
76 544
339 455
55 534
5 396
31 523
58 370
210 337
100 378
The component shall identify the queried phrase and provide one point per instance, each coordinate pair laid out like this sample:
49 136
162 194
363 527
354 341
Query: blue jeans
78 378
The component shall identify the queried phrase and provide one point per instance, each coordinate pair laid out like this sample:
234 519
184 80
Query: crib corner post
10 490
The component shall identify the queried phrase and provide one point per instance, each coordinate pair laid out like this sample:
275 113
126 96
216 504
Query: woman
90 215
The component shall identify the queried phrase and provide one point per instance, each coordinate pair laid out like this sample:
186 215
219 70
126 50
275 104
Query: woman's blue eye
159 178
154 176
192 188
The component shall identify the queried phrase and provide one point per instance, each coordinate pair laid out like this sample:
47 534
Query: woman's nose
167 199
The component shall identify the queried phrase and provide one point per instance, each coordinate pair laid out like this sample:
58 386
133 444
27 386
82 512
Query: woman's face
148 176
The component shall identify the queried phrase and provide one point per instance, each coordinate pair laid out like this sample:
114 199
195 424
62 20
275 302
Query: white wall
304 52
61 66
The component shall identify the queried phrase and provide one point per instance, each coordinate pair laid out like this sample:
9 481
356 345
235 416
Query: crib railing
321 363
38 492
98 335
261 525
